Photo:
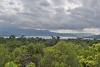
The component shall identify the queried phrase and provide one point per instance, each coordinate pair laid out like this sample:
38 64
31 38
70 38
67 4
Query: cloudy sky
63 16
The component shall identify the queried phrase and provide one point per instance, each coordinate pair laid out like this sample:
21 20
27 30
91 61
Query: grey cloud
44 15
58 2
44 3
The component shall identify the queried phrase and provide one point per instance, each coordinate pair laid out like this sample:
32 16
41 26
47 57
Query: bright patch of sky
12 6
85 30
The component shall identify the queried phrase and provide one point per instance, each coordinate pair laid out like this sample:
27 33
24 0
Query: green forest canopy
54 52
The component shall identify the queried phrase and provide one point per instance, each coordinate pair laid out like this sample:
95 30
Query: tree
4 56
31 49
10 64
12 37
31 65
62 54
91 56
20 56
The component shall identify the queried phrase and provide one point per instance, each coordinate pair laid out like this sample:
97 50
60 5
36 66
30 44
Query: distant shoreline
49 37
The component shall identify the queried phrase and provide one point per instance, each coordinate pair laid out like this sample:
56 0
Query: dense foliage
54 52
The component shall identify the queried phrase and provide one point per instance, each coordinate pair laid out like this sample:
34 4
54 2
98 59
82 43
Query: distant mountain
93 36
33 32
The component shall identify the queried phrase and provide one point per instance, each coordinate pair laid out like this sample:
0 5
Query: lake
49 37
